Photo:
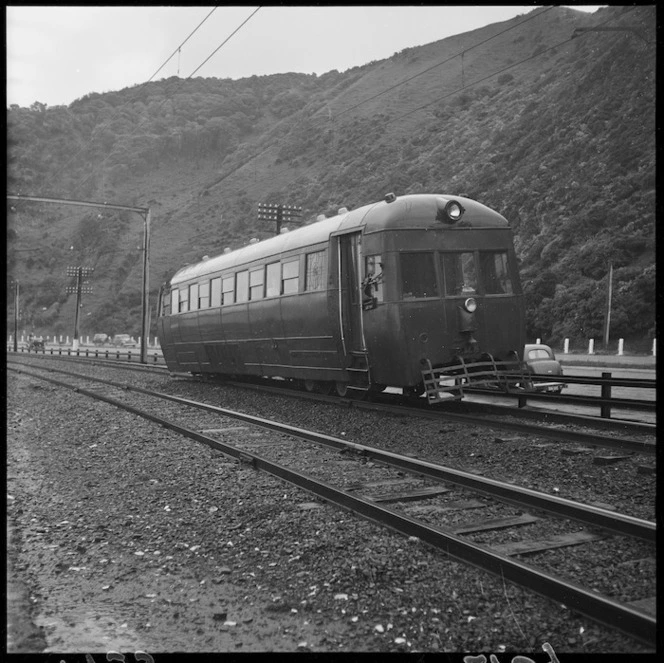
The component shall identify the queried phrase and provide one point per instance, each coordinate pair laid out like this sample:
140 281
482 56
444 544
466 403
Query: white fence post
654 347
591 346
566 346
620 346
538 341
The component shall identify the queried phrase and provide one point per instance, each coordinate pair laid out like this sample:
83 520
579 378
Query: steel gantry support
145 213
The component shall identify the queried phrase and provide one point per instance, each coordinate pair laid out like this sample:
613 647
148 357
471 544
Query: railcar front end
447 304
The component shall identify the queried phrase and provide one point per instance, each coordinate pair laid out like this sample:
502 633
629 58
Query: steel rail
520 496
556 416
613 614
588 439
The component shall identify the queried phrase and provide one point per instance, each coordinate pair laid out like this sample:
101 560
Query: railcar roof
412 211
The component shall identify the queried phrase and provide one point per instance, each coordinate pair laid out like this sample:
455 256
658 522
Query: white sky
58 54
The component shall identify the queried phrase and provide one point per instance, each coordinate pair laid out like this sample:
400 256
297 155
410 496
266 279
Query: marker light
470 305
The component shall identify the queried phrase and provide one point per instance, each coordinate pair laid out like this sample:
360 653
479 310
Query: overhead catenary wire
273 173
440 64
166 97
495 73
406 80
140 87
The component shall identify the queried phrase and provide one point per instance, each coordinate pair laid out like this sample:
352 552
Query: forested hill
548 118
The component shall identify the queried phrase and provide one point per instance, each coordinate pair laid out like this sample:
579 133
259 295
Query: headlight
454 210
470 305
449 211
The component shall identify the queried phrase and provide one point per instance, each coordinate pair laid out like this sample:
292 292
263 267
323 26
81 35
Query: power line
134 97
223 42
439 64
513 27
495 73
177 50
166 98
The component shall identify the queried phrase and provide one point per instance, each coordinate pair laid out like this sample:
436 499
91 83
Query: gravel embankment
126 537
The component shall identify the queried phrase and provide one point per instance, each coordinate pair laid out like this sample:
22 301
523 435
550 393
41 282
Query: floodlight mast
145 213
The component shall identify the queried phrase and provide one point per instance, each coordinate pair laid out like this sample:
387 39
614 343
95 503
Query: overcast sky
58 54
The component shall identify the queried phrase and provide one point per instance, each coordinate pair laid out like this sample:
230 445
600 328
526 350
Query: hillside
557 134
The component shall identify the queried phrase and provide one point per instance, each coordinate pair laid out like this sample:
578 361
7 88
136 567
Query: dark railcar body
368 298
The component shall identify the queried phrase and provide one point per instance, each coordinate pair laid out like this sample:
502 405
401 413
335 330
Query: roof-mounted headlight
450 212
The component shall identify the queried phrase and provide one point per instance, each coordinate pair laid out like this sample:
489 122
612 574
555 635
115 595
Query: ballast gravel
124 536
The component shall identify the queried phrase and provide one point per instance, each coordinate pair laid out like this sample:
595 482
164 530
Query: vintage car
124 341
540 360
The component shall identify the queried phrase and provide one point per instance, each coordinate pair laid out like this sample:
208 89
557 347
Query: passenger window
495 273
459 273
193 296
256 280
215 292
204 295
242 286
418 275
372 285
164 303
290 272
228 290
175 300
184 300
314 277
273 287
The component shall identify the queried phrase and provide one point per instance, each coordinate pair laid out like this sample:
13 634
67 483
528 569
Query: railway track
557 425
431 502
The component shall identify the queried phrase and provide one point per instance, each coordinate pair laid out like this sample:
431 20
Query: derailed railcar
403 293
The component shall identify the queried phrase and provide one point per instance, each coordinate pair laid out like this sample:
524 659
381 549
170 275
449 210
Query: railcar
419 292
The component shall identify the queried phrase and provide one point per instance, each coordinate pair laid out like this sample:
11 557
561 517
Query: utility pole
278 213
15 316
608 308
79 273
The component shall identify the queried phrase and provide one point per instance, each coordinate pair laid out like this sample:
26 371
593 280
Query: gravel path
126 536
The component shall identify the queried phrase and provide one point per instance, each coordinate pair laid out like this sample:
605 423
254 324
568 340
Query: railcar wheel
310 385
341 389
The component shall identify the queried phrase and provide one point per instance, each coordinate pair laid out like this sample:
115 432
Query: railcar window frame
290 276
175 300
373 276
273 279
228 289
315 270
204 295
183 304
242 286
257 283
457 287
418 257
193 296
492 275
215 292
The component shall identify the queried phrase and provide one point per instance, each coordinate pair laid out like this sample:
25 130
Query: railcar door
350 299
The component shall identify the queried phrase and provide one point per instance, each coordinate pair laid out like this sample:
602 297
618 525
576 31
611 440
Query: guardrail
605 402
106 353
